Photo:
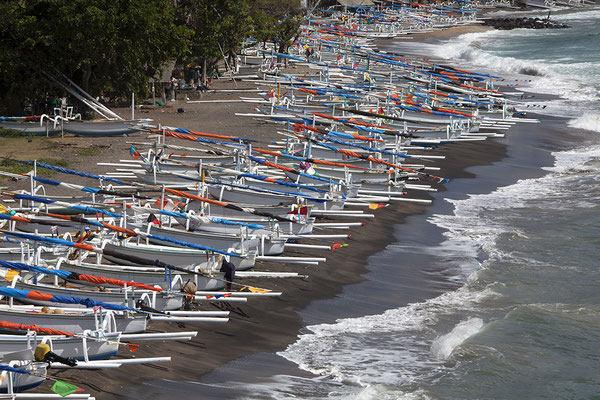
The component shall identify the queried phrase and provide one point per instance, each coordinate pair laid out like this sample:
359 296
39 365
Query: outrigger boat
356 133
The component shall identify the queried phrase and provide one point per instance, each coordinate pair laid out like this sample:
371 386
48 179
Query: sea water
504 268
524 318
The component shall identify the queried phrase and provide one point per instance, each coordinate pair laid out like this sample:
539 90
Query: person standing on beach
229 268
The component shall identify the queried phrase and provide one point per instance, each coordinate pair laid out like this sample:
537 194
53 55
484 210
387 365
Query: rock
526 23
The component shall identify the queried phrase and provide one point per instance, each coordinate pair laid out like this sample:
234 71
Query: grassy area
10 133
90 151
65 152
17 168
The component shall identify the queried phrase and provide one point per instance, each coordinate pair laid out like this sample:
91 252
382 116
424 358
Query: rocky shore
525 23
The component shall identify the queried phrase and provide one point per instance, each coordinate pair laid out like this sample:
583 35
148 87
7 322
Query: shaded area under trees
112 48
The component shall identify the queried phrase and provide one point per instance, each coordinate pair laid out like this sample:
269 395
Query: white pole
132 106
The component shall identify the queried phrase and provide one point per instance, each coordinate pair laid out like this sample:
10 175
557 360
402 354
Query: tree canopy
109 47
220 26
112 48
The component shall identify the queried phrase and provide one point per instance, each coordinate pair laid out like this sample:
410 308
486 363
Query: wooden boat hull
23 382
100 128
16 254
222 241
381 177
191 164
30 128
164 178
50 226
246 196
228 213
290 227
234 195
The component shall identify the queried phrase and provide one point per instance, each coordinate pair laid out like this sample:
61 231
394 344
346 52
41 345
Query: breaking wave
444 345
589 121
400 339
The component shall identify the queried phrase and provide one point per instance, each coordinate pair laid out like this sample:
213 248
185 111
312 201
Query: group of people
189 78
181 84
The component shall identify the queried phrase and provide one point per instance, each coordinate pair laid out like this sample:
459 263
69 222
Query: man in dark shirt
229 270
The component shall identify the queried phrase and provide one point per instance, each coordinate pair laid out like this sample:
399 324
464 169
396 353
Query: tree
278 21
17 45
112 48
263 25
287 30
109 47
219 28
278 8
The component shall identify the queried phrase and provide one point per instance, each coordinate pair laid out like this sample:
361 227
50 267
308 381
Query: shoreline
274 330
365 243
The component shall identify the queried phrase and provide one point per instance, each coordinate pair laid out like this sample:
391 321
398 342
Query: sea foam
577 83
444 345
389 347
588 121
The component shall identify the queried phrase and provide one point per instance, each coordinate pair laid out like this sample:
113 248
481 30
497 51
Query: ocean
502 269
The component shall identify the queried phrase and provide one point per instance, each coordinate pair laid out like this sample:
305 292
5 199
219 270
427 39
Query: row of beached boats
45 125
191 217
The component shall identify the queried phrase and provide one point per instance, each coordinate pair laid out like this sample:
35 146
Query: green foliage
278 8
218 26
276 21
112 48
90 151
263 25
287 30
18 168
109 47
10 133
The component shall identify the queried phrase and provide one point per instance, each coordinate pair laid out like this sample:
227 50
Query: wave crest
588 121
444 345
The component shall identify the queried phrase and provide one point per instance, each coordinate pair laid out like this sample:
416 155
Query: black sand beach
272 324
389 281
244 347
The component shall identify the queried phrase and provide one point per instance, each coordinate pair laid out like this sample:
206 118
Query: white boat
235 215
272 227
102 128
178 256
240 242
161 301
47 225
31 128
75 320
147 275
12 382
268 198
24 253
93 345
